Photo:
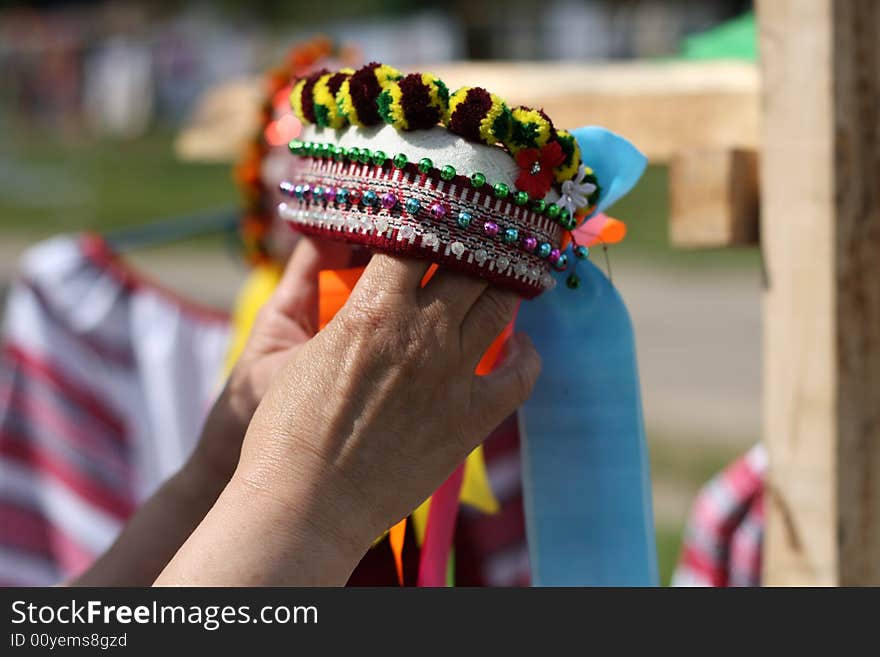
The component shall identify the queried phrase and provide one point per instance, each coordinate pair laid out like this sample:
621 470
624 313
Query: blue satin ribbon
586 478
617 164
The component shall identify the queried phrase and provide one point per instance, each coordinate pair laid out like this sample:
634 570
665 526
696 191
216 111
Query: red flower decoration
536 168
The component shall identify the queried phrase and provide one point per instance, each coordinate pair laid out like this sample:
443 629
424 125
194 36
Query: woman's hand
362 423
151 538
287 320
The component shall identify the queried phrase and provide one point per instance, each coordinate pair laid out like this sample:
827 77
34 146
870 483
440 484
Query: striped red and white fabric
104 383
725 531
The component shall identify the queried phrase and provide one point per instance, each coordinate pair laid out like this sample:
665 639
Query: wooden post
713 198
820 231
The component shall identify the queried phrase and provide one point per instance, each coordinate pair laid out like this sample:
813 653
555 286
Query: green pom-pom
383 104
502 124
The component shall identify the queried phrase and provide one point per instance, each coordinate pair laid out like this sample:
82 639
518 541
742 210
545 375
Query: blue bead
298 191
413 206
341 196
370 198
581 252
544 250
562 263
318 193
464 219
511 235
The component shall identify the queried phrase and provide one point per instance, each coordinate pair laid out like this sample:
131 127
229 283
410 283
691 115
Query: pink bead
490 228
554 255
389 200
530 244
438 210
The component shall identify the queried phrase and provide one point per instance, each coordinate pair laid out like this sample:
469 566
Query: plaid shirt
725 532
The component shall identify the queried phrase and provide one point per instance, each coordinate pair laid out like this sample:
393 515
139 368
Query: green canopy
735 39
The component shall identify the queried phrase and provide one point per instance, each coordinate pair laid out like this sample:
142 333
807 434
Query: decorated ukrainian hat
400 164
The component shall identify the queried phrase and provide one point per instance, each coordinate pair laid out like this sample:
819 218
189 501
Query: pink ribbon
439 531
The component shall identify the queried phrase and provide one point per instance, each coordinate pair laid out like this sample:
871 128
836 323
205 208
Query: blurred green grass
59 185
681 468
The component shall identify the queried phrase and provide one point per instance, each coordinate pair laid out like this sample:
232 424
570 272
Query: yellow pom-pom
496 125
385 74
391 107
478 116
458 97
326 111
438 94
569 168
530 128
345 104
296 100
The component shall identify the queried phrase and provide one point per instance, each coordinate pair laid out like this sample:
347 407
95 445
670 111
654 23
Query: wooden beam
820 211
661 107
713 198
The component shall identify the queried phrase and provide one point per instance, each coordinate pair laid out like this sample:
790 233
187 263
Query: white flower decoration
576 192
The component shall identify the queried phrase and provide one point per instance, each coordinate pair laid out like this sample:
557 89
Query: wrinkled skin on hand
358 425
383 404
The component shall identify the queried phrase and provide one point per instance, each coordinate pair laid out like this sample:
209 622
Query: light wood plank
713 198
663 108
820 195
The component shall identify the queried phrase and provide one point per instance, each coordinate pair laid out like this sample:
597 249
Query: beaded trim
510 231
406 210
325 150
